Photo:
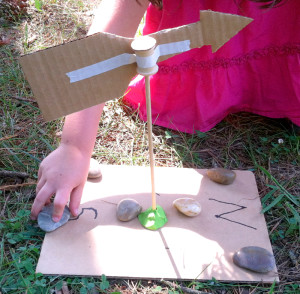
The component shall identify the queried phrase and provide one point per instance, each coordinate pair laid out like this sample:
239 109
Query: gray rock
254 258
221 175
94 169
45 221
128 209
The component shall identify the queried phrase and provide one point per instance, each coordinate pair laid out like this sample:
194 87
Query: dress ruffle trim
193 65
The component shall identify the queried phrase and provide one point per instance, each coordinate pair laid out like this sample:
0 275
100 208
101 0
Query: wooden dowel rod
149 124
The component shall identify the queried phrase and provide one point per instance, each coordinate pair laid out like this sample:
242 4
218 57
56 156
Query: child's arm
63 172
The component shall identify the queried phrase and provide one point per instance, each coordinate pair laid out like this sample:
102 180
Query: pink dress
257 71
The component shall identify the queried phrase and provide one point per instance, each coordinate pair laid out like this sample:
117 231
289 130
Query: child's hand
62 173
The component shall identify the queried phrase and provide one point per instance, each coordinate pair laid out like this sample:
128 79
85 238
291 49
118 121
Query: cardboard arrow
46 70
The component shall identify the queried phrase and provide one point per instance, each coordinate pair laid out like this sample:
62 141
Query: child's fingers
41 199
75 199
61 198
39 186
39 173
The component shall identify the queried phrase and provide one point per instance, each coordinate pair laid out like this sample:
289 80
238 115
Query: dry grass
241 141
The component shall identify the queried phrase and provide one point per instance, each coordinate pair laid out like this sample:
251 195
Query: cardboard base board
185 248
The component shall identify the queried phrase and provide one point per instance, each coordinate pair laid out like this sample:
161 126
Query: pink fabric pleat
257 71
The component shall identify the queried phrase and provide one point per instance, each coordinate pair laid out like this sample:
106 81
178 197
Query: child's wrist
84 151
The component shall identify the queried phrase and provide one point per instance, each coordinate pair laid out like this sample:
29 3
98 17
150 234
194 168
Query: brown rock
221 175
94 169
187 206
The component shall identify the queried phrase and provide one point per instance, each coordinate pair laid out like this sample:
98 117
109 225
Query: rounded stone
94 169
221 175
187 206
45 221
254 258
128 209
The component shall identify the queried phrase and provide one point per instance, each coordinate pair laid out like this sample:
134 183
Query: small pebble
187 206
221 175
45 221
128 209
94 170
254 258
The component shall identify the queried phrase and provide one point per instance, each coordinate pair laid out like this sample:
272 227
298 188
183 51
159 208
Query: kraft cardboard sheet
186 248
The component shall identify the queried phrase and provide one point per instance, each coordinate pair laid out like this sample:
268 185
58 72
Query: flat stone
45 221
187 206
254 258
221 175
128 209
94 169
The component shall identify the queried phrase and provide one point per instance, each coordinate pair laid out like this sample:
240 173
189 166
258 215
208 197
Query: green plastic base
153 219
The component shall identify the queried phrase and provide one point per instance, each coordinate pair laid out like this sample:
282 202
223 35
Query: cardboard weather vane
98 68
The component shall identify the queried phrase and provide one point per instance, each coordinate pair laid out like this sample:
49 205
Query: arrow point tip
224 25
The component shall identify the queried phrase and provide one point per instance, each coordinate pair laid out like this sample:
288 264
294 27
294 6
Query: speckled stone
128 209
254 258
187 206
45 221
94 169
221 175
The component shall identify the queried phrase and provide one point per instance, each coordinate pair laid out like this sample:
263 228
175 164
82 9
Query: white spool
146 55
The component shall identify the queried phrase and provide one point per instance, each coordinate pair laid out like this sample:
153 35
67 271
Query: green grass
242 141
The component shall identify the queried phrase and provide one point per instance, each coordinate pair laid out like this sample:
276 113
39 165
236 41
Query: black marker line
228 212
230 220
232 211
226 202
89 208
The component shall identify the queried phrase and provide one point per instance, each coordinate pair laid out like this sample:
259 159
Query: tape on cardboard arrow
125 58
46 70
